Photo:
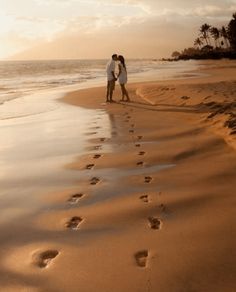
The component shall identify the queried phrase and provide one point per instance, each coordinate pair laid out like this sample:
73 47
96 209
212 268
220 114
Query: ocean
20 78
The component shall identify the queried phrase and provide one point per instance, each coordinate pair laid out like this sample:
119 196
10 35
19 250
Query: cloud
53 2
133 39
214 11
156 27
30 19
181 7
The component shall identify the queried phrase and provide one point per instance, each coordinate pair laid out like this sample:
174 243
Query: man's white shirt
111 66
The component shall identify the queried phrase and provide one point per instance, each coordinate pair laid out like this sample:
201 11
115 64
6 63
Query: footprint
139 137
102 139
97 147
96 156
141 153
137 145
140 163
162 207
74 223
147 179
43 259
75 198
185 97
89 166
233 132
144 198
90 133
131 131
154 223
94 181
141 258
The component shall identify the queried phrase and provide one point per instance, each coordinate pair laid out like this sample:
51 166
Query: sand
153 208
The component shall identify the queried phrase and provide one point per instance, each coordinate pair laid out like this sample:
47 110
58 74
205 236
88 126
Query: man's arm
119 66
113 66
114 76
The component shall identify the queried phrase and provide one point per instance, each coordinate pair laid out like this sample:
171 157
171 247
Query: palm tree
204 32
198 43
175 54
215 33
231 32
224 35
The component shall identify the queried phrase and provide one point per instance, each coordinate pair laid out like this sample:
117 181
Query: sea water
20 78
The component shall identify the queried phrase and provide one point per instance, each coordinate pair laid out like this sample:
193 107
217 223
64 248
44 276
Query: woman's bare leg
123 91
126 93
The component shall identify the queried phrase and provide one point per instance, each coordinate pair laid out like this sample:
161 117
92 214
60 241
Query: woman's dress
123 74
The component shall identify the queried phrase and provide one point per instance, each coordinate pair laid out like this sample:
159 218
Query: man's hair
114 55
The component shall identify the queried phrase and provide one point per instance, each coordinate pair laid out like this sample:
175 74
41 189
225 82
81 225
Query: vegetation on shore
212 43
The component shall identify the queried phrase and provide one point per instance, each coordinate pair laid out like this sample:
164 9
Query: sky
93 29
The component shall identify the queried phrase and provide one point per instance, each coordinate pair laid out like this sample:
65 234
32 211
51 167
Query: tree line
212 42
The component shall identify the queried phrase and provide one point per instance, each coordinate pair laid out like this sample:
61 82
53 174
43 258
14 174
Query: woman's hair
122 60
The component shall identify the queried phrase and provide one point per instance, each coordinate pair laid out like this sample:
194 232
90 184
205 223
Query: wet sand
148 207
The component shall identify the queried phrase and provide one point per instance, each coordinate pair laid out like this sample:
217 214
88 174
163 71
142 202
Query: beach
135 196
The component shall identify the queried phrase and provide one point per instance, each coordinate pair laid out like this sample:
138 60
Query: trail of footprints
43 259
141 257
154 223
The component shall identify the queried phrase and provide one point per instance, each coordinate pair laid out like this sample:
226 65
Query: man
111 78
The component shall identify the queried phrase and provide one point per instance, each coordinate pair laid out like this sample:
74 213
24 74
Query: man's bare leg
108 92
111 94
112 88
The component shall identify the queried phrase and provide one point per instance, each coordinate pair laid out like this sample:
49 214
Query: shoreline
216 112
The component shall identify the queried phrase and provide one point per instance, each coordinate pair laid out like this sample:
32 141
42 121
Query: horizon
77 59
70 30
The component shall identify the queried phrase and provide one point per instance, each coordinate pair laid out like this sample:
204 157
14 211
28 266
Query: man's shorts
111 84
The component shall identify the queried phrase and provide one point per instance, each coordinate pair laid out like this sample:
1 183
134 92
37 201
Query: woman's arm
119 66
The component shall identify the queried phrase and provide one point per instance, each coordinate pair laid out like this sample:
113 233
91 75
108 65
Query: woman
122 78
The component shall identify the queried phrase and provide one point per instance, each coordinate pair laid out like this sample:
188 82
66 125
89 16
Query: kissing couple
112 77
